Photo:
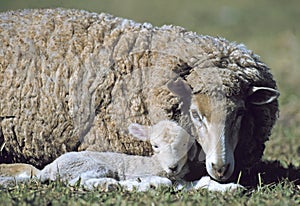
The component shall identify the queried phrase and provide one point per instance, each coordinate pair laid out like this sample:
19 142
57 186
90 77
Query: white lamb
170 143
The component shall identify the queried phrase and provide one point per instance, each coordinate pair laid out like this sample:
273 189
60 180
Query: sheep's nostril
173 168
220 170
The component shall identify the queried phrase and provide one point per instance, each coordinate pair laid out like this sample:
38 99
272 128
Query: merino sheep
73 80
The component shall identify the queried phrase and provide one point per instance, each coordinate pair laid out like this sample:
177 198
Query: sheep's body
77 78
73 80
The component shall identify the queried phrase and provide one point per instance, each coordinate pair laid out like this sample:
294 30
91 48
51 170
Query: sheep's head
169 141
231 98
217 121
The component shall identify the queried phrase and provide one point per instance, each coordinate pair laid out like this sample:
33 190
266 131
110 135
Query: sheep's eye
195 115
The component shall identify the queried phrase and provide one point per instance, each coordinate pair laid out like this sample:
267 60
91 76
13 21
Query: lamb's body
171 145
88 164
73 80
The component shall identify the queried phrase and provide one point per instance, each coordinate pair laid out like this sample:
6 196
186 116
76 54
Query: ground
269 28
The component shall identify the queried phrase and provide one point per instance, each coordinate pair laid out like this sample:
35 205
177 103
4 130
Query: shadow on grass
268 172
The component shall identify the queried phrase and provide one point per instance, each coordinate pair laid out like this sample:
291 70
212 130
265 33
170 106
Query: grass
271 29
56 193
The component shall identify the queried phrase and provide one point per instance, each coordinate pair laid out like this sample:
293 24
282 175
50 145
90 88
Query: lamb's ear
262 95
140 132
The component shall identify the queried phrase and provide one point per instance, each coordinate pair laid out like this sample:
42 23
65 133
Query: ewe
74 80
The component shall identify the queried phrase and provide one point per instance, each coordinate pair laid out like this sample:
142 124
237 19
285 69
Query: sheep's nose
173 168
220 171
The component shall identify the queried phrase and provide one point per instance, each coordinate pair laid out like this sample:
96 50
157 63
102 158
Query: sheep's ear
140 132
182 89
262 95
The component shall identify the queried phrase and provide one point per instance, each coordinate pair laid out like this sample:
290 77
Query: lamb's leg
139 184
211 185
145 183
105 183
18 170
10 174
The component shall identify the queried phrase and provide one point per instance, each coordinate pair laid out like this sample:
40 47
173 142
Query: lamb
170 143
72 80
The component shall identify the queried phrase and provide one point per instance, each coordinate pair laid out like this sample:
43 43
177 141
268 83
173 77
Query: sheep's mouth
220 175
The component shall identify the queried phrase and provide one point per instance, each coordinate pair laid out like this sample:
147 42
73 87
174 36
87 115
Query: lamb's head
218 123
170 143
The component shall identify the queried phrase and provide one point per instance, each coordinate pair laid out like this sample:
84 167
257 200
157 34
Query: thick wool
73 80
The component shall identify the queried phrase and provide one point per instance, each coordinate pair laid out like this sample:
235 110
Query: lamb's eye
155 146
196 115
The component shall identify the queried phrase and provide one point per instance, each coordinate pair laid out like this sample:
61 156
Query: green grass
271 29
56 193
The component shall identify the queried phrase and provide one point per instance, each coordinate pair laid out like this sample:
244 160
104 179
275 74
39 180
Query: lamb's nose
173 168
220 171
